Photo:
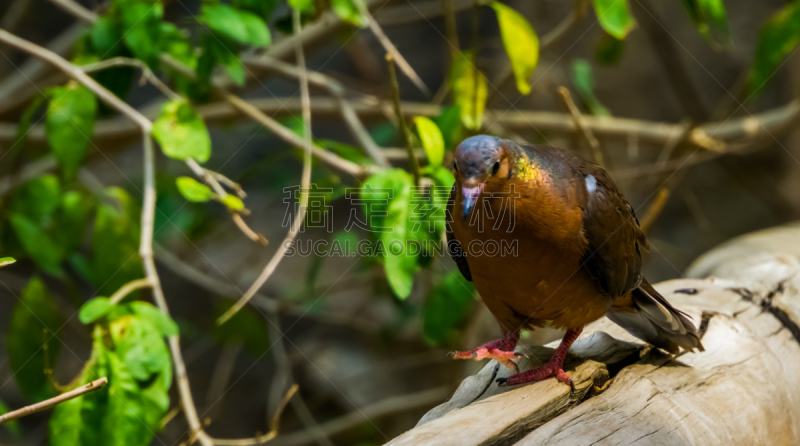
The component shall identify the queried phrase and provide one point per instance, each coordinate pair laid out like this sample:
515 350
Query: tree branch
46 404
594 145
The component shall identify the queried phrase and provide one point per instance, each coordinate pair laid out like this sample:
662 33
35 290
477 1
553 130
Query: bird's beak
471 195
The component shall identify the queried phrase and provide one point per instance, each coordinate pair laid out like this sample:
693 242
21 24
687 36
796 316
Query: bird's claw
501 356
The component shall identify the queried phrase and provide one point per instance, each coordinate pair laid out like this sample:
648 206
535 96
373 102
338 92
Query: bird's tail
645 313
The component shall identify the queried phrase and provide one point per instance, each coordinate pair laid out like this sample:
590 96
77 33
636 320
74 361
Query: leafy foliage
446 307
70 124
710 18
241 26
432 140
469 90
582 79
32 345
182 133
521 42
779 36
115 242
615 17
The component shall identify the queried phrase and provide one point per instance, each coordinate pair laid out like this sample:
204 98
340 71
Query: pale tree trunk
743 390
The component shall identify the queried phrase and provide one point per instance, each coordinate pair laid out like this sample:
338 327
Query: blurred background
691 105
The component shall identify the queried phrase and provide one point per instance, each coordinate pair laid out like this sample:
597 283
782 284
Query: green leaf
38 199
165 325
302 5
521 43
37 244
582 79
241 26
469 90
106 37
95 309
142 29
217 51
262 8
193 191
115 243
245 327
615 17
12 426
710 18
71 218
182 133
233 202
70 124
394 222
449 122
24 126
5 261
34 321
432 140
779 36
447 307
348 11
609 49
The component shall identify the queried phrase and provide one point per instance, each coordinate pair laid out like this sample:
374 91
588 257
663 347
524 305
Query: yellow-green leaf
469 90
232 202
193 191
778 37
432 140
615 17
182 133
521 43
5 261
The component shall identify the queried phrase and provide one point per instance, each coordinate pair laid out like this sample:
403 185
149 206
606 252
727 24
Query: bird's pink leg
553 367
501 350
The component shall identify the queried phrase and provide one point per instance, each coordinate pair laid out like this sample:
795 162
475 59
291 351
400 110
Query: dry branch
46 404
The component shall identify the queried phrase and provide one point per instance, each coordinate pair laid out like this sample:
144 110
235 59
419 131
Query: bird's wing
452 244
612 231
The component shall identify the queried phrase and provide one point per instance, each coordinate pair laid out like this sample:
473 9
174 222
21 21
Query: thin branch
349 115
654 210
273 430
451 27
387 44
304 186
401 120
249 233
147 73
594 145
128 288
148 213
46 404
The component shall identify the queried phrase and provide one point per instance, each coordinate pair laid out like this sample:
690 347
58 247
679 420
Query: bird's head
482 162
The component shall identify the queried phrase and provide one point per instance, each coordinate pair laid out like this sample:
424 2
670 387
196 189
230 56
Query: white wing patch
591 183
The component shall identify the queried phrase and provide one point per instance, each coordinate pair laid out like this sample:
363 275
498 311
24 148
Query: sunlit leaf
115 243
165 325
393 187
521 43
302 5
347 11
182 133
70 124
615 17
432 140
469 90
241 26
142 29
38 244
34 322
779 36
5 261
447 307
95 309
193 190
583 81
233 202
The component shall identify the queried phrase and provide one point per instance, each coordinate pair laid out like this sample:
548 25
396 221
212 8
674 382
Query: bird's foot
548 370
501 350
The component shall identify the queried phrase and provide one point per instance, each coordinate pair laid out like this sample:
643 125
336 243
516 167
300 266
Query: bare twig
46 404
654 210
252 235
401 119
128 288
304 186
273 430
594 145
349 115
148 212
451 27
387 44
147 73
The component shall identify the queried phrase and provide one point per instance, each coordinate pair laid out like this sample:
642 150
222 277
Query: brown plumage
578 249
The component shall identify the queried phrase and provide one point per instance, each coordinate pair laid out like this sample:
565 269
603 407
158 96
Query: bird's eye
495 168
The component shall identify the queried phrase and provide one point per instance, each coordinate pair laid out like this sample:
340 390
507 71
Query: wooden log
743 390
